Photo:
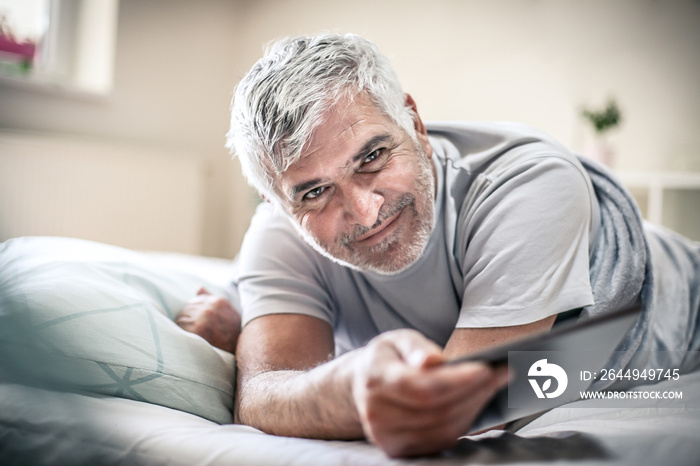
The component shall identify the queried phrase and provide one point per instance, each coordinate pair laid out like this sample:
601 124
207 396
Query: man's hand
395 391
212 318
409 403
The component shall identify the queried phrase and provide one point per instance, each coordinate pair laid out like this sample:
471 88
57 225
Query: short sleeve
278 271
526 234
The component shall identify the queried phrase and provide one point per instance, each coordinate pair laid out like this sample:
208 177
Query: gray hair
287 93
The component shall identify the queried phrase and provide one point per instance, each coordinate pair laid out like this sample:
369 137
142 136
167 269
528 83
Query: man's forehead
341 123
346 128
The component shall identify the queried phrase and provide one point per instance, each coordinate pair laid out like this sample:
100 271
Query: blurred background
112 127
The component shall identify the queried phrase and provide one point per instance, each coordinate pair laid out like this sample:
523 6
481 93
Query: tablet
553 368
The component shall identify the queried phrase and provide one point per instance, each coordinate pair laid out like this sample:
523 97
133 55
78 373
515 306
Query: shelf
671 199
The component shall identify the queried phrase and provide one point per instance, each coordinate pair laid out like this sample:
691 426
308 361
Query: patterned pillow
82 315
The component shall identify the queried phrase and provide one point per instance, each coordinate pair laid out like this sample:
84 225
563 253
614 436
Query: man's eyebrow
370 145
361 153
303 187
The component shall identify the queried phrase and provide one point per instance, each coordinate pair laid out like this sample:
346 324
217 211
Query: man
386 248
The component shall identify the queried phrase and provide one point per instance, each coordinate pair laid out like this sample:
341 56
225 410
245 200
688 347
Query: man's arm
276 390
394 391
468 340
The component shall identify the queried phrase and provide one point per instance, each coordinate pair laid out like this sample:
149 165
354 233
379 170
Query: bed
93 370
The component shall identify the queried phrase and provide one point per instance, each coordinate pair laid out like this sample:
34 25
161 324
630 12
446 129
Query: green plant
606 119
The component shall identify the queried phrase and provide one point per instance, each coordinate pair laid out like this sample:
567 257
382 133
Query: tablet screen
550 369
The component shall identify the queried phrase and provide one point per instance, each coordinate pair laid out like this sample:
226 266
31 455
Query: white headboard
135 197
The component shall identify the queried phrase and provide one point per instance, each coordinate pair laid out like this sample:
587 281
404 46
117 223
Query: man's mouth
386 225
381 231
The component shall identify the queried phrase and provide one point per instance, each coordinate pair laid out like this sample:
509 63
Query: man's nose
362 205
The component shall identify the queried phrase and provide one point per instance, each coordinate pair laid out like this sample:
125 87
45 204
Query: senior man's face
363 191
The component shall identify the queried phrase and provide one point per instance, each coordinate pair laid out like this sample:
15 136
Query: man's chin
376 264
390 271
361 264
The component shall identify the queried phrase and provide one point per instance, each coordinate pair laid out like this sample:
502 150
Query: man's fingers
410 402
412 387
422 391
404 430
416 350
391 378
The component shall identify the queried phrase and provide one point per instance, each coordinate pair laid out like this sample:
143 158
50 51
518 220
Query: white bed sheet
42 427
47 427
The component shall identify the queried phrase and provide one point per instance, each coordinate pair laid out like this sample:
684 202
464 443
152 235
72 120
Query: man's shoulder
271 234
479 158
274 240
481 136
267 215
473 146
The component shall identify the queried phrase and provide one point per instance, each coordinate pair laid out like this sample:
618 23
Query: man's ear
421 131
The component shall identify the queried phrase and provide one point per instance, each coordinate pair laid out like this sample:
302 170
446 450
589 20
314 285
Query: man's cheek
317 228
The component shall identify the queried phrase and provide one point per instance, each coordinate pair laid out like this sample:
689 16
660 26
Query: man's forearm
395 391
314 404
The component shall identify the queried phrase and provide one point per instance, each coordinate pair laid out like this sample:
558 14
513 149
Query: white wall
172 88
130 196
535 61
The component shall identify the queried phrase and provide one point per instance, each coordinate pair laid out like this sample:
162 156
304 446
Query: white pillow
82 315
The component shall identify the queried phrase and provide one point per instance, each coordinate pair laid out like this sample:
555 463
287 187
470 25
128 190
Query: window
23 27
65 44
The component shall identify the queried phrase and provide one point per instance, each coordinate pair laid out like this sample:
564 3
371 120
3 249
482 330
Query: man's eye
314 193
374 155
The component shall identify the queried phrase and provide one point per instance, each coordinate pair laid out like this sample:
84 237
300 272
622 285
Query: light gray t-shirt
516 216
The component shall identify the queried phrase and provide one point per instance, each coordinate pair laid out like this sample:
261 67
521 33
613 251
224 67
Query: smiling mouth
376 232
365 236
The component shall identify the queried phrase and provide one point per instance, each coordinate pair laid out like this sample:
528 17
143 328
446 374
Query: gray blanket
636 261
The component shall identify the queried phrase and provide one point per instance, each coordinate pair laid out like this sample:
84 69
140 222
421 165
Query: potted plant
602 122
